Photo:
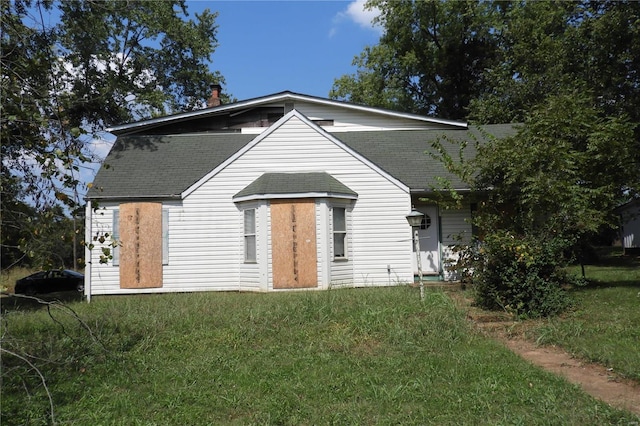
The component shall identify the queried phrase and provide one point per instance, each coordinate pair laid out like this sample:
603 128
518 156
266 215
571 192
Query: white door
429 241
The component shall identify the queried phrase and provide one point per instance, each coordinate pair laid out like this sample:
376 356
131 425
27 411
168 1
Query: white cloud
100 146
357 13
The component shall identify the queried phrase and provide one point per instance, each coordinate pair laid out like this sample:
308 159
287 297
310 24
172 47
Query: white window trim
345 232
115 237
246 235
165 236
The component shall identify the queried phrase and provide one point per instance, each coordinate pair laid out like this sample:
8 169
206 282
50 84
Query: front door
429 241
293 244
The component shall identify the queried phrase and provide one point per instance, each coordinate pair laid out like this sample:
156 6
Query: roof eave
255 197
124 129
134 197
437 191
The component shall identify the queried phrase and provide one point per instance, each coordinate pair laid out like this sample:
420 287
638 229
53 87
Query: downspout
87 251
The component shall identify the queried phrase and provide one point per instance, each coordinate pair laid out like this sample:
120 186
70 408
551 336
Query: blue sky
267 47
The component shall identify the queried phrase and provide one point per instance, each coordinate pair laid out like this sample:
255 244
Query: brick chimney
214 99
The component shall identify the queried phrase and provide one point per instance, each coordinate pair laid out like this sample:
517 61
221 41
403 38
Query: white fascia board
381 111
353 153
288 196
277 97
237 155
242 106
135 197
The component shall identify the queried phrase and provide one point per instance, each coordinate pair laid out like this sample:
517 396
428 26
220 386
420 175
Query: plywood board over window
293 244
141 245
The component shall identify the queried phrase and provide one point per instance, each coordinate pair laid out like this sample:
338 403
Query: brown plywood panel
141 245
293 244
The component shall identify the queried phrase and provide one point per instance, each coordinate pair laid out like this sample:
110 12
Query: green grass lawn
366 356
604 325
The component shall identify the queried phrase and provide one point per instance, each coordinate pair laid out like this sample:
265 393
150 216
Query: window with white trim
339 232
250 235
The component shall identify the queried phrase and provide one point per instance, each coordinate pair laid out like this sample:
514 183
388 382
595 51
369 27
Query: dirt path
595 379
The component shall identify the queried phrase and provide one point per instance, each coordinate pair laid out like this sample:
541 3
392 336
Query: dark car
50 281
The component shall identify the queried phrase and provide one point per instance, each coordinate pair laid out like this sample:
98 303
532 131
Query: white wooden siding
378 218
352 120
205 228
631 226
105 278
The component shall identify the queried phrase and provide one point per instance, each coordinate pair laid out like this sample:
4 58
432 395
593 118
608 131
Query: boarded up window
293 244
115 237
141 238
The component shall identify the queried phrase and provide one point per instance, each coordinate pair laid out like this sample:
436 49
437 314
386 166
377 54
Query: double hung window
250 235
339 233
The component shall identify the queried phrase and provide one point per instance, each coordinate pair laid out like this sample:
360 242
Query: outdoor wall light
415 220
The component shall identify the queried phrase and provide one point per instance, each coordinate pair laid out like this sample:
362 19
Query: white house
279 192
630 226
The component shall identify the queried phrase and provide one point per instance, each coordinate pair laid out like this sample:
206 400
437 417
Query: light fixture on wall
415 220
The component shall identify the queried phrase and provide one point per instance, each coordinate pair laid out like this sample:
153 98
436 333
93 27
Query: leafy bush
522 275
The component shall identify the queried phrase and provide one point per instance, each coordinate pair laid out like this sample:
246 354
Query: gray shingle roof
403 153
295 183
165 166
162 166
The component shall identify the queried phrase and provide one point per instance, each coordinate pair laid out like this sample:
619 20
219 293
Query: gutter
124 129
135 197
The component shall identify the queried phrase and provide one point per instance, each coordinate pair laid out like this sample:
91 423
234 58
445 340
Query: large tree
569 72
70 68
550 47
503 62
430 58
492 61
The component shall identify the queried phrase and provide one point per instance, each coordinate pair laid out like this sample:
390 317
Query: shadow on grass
12 302
612 269
595 284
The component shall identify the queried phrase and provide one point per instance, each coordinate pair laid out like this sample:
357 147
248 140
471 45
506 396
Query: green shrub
522 275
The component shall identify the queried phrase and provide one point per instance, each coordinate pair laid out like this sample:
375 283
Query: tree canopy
492 61
70 68
515 62
569 74
430 59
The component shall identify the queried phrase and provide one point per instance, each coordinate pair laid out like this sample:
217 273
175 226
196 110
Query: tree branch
42 379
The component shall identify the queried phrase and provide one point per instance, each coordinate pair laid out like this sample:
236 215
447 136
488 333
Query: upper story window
323 122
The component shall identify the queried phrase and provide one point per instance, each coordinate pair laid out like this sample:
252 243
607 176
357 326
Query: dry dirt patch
595 379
